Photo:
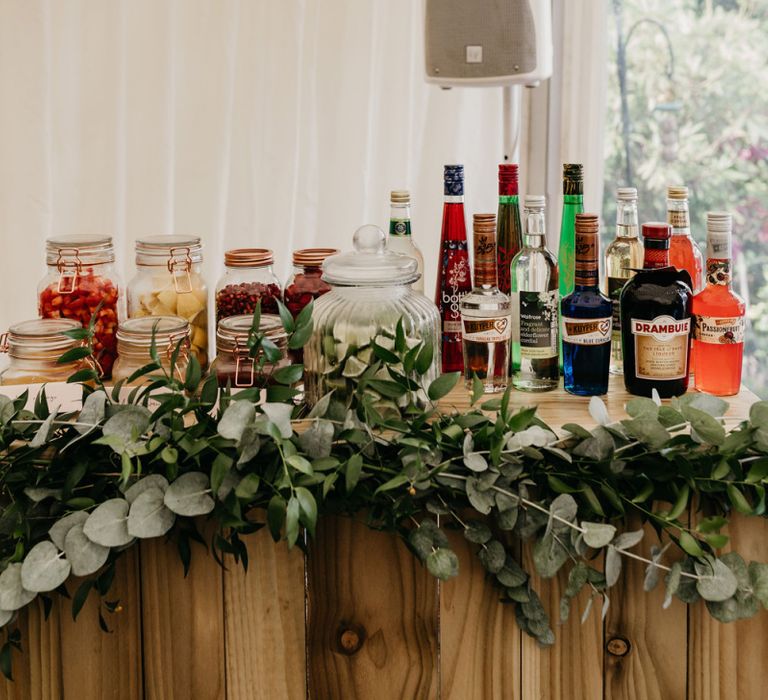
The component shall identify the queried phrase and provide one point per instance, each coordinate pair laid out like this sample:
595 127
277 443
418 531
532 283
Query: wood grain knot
350 638
618 646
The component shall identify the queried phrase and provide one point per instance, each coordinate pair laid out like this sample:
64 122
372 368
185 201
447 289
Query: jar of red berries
248 278
306 283
80 282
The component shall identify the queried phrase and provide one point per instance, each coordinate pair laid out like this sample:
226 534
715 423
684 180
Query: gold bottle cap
677 192
400 197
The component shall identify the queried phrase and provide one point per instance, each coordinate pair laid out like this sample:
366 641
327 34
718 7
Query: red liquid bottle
453 274
718 314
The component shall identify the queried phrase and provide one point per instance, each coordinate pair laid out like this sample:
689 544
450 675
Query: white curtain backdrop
275 123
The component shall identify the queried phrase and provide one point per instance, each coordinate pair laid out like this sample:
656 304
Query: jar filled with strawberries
169 282
248 278
81 282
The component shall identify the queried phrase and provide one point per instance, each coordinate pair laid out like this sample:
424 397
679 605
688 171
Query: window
688 104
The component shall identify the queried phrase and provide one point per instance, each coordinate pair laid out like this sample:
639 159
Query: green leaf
597 535
758 577
647 430
383 354
13 595
690 545
300 336
706 428
758 471
316 441
739 500
84 556
492 556
386 388
108 524
81 596
425 356
190 495
443 564
549 556
276 516
307 509
248 487
352 471
758 414
716 580
478 390
288 375
292 521
279 414
443 385
193 374
300 464
128 426
482 500
286 318
672 583
681 503
393 483
219 469
478 532
74 354
44 568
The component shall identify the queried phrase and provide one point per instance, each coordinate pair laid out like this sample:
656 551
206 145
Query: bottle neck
626 219
509 199
485 260
573 200
718 272
587 269
678 217
454 199
535 228
400 220
656 253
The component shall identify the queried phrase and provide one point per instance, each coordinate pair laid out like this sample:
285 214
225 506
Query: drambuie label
663 328
587 331
661 347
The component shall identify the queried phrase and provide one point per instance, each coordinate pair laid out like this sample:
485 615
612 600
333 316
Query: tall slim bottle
622 257
509 235
573 204
718 316
587 318
400 239
453 275
535 306
684 254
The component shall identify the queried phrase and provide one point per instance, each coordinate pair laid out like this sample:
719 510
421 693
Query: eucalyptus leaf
599 411
626 540
477 531
93 412
279 414
507 519
151 481
476 462
13 595
716 581
5 617
492 556
549 555
565 507
316 441
482 500
248 445
37 494
758 577
443 563
149 516
108 524
648 430
190 495
84 556
235 419
598 535
612 566
672 583
60 528
44 568
43 432
127 426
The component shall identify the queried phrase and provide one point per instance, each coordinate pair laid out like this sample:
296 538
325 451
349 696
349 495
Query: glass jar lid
232 332
249 257
136 333
370 264
39 336
312 257
79 250
168 250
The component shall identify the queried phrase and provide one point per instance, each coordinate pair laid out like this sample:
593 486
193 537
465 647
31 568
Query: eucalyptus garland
77 490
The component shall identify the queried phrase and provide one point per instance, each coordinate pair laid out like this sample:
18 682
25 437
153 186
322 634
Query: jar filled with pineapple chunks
169 282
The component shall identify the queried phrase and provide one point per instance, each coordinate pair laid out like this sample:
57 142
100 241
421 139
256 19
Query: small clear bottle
535 333
248 278
134 341
169 282
400 239
623 257
485 315
33 349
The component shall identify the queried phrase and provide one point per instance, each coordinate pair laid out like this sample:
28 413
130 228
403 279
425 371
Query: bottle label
719 330
454 286
399 227
586 260
719 272
661 347
587 331
615 285
487 330
538 325
678 219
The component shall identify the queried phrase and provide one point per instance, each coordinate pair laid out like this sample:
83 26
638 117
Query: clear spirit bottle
534 306
485 315
622 257
400 239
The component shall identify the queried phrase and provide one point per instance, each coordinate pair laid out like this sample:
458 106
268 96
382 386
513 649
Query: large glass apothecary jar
80 279
169 282
370 292
33 349
233 365
247 280
134 342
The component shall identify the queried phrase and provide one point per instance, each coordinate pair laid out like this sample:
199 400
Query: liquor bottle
400 239
485 315
534 306
453 278
684 254
586 317
718 314
656 320
622 258
509 229
573 204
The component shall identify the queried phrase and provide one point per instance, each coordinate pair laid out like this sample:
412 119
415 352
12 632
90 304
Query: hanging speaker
488 42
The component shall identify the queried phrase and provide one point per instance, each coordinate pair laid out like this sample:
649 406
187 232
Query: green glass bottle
573 203
510 238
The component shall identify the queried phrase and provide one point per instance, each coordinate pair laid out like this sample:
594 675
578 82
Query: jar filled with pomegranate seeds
169 282
81 278
33 349
233 365
134 343
306 283
248 278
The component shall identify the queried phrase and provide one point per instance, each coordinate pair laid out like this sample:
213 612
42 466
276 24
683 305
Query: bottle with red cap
656 320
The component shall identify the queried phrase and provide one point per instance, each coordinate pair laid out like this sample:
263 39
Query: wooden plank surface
480 645
183 624
265 630
373 610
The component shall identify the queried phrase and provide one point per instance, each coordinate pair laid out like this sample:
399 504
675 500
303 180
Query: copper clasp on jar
4 342
245 365
180 265
68 265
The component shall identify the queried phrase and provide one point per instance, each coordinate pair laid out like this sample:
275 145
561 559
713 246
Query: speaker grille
504 28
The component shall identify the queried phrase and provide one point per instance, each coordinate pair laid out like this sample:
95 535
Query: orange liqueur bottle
718 335
684 254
